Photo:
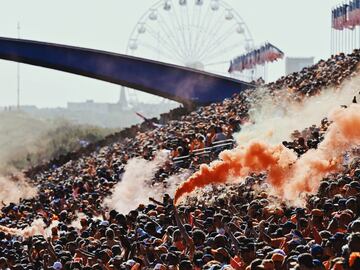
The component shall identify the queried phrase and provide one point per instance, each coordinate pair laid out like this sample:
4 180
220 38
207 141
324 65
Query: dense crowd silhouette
234 226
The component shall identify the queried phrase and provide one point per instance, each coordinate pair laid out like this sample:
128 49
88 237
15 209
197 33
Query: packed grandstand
239 225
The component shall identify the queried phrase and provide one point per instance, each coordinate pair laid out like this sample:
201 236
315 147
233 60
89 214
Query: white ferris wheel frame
177 22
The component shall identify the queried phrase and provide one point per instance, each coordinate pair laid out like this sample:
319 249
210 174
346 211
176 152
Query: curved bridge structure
177 83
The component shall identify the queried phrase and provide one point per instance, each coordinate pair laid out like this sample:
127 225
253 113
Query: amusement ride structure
186 48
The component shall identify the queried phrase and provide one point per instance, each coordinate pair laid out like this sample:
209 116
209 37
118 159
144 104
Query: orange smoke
288 176
256 158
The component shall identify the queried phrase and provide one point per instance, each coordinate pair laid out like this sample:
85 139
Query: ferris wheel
199 34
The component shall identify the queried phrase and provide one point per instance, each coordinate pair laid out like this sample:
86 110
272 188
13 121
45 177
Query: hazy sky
299 28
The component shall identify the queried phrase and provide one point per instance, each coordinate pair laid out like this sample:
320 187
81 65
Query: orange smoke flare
257 157
288 175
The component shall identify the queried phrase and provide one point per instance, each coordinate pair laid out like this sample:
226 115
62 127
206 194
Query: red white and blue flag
264 54
346 16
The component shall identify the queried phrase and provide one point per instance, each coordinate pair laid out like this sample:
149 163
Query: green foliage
26 141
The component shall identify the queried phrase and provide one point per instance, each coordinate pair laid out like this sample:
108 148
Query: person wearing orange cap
54 234
317 217
354 261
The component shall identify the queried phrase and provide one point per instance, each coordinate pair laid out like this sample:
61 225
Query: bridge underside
181 84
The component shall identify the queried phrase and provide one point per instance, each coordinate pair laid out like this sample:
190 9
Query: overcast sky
299 28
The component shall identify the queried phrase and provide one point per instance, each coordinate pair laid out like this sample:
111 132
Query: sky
299 28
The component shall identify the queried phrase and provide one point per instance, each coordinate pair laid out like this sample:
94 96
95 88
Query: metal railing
216 147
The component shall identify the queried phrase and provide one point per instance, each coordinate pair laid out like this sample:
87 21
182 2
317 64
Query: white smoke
173 181
53 224
275 118
37 227
12 190
132 190
76 223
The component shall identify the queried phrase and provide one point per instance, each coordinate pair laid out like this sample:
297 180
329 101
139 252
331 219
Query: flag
259 56
339 18
351 15
141 116
343 16
349 22
357 13
155 125
336 18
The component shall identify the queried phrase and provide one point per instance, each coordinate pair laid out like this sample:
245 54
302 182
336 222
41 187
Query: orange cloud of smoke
288 175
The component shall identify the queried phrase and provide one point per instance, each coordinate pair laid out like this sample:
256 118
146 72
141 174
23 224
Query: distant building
295 64
89 105
27 108
24 108
96 107
110 115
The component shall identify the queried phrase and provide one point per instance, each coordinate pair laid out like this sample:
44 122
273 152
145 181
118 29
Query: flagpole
331 41
352 40
355 37
335 41
339 41
346 31
18 72
343 40
266 71
331 33
346 40
349 40
341 33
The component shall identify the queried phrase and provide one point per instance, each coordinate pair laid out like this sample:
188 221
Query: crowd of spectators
229 227
310 80
309 138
